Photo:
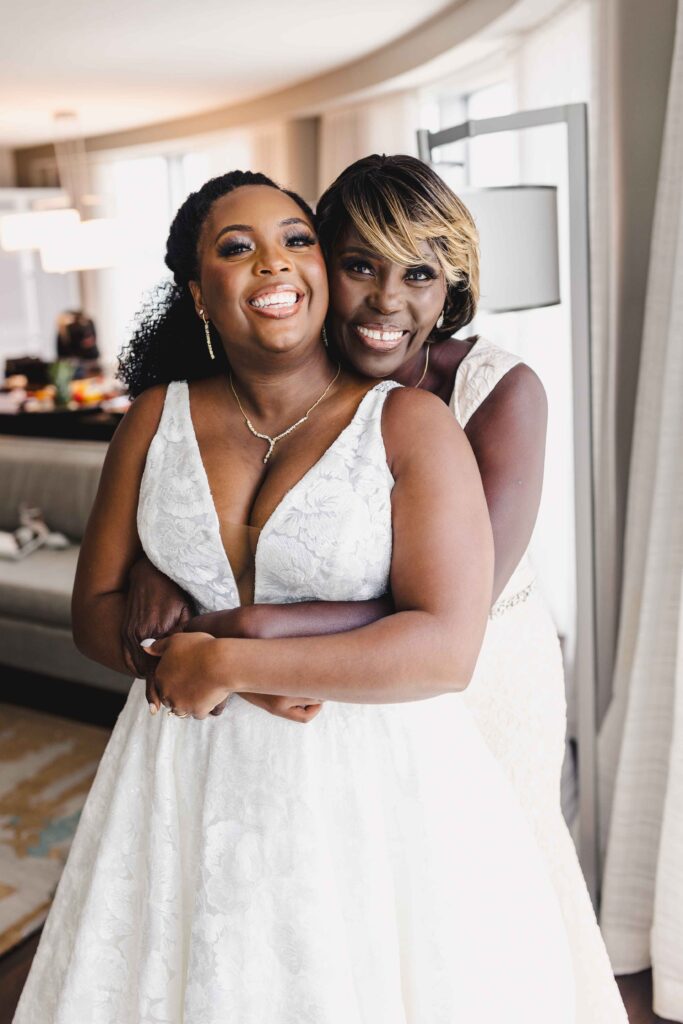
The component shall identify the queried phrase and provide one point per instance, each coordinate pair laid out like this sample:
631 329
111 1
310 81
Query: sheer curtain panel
642 909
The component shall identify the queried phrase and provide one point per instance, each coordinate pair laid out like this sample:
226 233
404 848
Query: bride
375 866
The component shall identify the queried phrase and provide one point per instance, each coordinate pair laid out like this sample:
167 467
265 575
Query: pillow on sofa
58 476
32 533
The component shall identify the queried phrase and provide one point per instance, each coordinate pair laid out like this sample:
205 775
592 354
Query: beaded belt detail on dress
500 607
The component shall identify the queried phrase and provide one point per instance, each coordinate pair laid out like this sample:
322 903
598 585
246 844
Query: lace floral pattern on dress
177 521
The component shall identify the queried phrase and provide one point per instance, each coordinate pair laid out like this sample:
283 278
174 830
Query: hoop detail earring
324 336
439 322
207 334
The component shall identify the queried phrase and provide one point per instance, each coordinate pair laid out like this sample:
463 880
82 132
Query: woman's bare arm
158 607
303 618
155 607
111 544
441 576
507 434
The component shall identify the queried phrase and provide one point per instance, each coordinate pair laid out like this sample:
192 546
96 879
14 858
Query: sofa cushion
50 650
59 477
38 588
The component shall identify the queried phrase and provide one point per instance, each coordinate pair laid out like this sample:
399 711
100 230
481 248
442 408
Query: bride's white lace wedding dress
518 700
372 867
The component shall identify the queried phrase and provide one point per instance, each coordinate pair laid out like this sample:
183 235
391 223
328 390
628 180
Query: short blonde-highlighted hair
396 203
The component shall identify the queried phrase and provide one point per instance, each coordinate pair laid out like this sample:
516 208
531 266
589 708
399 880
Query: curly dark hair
168 341
395 203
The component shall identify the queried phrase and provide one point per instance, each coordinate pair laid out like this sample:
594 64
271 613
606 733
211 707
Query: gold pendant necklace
272 441
424 372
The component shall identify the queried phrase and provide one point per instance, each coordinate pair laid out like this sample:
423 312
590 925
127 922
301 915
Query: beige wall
302 142
7 170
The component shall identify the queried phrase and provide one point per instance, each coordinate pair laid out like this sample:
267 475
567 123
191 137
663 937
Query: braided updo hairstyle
168 342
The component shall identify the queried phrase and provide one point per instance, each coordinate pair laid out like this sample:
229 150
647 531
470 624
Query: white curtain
642 740
632 47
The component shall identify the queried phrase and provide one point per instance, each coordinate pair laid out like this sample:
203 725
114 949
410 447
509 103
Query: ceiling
121 64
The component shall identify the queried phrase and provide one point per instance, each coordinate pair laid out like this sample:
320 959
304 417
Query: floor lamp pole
574 116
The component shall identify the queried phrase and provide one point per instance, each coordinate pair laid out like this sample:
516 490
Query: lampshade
518 241
36 228
88 245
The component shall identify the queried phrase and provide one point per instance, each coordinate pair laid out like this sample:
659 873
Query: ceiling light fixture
71 239
33 229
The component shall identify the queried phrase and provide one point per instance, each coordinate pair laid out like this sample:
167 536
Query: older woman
375 866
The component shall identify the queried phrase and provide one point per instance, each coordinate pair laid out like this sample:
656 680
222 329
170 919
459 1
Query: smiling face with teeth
262 279
381 312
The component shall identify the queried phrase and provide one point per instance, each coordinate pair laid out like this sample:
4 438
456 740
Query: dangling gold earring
207 333
324 336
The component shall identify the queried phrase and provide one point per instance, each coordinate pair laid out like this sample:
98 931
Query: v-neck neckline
297 485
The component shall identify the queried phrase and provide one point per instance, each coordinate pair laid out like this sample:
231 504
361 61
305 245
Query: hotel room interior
560 122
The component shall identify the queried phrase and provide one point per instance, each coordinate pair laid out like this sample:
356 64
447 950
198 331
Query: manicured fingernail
153 709
148 642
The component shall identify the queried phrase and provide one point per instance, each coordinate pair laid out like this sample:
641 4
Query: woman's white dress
372 867
517 696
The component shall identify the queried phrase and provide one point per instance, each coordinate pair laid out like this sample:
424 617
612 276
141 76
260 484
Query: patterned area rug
47 765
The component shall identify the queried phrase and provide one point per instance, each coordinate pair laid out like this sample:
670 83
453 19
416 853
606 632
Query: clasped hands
183 678
179 668
185 681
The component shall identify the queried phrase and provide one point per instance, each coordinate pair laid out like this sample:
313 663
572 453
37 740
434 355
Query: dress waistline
504 605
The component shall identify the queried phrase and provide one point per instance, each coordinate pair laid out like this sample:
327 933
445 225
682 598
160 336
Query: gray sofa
60 478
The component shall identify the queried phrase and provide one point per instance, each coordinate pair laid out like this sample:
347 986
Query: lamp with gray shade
517 227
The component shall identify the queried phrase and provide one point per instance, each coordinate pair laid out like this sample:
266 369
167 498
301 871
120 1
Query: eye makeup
418 274
427 273
301 239
356 266
234 246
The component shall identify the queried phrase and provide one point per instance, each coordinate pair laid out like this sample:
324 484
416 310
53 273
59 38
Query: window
137 192
143 192
482 162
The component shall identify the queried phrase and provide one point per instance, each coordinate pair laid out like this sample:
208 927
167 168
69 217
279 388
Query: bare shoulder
522 386
138 426
518 398
407 408
147 407
415 421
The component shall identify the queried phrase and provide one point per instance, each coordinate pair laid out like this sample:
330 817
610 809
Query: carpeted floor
47 765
